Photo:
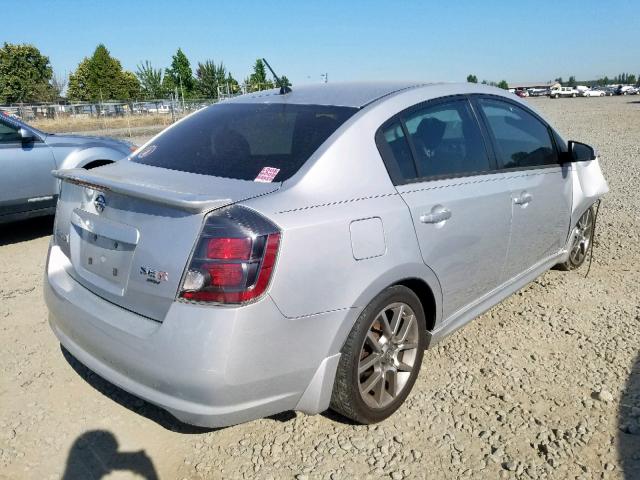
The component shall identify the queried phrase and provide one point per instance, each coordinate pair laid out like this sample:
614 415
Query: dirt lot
545 385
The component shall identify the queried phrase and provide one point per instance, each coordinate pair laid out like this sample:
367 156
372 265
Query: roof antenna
284 89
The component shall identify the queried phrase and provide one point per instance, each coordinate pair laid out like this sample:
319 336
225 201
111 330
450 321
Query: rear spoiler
190 202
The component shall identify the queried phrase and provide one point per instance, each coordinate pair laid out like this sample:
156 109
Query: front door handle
524 199
438 214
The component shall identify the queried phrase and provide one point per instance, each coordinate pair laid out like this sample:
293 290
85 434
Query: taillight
233 259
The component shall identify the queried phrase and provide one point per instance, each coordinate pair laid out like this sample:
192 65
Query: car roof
345 94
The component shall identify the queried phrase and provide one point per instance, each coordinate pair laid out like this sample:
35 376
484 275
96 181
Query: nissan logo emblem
100 202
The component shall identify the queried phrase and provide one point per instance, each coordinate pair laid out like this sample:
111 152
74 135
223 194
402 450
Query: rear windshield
261 142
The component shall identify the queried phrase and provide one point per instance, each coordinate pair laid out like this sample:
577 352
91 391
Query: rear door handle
523 199
438 214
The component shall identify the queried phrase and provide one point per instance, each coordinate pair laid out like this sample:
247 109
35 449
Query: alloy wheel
582 238
388 355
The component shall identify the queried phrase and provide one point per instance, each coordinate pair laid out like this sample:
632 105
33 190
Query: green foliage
25 75
503 84
150 80
101 77
209 77
631 79
472 78
258 79
179 75
284 81
572 81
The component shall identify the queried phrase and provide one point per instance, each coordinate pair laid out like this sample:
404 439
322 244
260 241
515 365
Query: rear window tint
244 141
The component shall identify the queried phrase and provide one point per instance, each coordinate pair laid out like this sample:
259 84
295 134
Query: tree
58 84
559 80
180 75
572 81
284 81
631 79
209 77
503 84
258 79
101 77
150 80
472 78
129 86
25 74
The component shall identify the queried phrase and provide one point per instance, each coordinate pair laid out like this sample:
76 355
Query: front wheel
381 357
573 95
581 238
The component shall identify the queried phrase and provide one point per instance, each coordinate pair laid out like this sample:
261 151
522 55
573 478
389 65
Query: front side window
521 139
447 140
245 141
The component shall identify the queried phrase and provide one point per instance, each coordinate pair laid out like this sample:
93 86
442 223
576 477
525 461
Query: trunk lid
129 229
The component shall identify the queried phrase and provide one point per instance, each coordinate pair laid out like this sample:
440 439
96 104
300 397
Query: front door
25 172
540 186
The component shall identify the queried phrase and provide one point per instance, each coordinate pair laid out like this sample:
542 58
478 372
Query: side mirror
580 152
26 135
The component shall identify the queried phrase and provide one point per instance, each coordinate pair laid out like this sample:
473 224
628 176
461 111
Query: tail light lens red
234 258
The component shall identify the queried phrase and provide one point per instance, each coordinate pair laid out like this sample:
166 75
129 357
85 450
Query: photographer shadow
95 455
629 425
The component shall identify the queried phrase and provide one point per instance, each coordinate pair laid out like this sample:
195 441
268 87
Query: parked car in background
27 157
581 89
521 93
236 266
593 93
563 92
538 92
625 90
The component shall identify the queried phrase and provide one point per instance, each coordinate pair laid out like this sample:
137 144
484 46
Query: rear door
460 206
540 186
25 172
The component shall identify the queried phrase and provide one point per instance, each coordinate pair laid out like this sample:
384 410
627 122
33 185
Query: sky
349 40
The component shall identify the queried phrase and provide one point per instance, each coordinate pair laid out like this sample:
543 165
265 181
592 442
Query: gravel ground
544 385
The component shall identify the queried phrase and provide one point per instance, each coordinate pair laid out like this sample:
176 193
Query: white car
564 92
593 93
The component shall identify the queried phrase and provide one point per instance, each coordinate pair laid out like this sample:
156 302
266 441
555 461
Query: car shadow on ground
629 425
25 230
146 409
95 455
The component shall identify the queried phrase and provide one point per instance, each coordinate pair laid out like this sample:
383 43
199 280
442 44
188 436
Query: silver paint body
27 188
347 234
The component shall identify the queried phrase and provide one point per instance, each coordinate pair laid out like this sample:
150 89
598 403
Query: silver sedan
300 250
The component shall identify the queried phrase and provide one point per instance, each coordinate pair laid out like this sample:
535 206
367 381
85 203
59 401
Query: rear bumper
208 366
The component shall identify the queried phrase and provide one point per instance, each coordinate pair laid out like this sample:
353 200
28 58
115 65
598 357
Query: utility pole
181 91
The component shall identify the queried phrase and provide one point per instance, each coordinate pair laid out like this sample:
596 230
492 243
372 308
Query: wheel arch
427 299
417 277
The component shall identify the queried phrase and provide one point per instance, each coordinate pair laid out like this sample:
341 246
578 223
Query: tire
581 237
376 370
573 95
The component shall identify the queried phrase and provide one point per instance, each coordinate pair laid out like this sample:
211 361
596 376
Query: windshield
260 142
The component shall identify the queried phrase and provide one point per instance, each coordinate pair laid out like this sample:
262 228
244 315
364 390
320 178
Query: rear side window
395 151
8 134
521 139
268 142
